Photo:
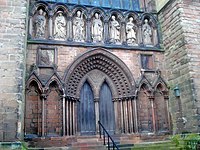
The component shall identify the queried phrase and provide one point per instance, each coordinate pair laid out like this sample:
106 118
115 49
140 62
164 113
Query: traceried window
147 62
117 4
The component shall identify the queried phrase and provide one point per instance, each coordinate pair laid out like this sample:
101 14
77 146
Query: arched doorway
86 111
106 108
100 72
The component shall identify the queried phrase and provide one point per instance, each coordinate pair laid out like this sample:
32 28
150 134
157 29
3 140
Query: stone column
44 96
69 28
70 117
166 98
64 115
117 117
130 111
67 116
122 116
30 31
139 35
125 106
96 105
106 32
123 33
153 113
155 37
75 116
51 25
135 115
88 30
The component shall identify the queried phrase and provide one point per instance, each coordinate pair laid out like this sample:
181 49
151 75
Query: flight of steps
88 143
124 142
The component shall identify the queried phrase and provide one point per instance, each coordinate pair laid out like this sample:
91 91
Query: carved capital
44 96
50 15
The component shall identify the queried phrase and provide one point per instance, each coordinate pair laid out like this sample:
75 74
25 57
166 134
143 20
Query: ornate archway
99 66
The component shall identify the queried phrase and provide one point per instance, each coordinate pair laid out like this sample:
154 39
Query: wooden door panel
106 109
86 111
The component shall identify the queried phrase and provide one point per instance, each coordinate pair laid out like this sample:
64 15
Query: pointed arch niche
144 109
33 109
99 66
53 111
44 107
161 109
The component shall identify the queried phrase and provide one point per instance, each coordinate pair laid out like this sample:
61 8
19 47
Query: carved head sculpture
146 21
113 17
79 13
60 14
40 12
131 19
96 15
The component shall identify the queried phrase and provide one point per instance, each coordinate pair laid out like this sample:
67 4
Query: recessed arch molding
109 64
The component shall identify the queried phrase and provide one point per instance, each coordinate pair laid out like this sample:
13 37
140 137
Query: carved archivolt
81 24
100 59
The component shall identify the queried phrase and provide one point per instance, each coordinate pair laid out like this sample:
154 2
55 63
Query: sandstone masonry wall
180 27
12 67
68 54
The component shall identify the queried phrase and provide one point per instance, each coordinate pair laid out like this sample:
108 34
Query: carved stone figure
130 32
40 23
60 27
147 33
97 29
114 30
78 27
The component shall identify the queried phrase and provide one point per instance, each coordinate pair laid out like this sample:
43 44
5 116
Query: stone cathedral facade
88 64
74 63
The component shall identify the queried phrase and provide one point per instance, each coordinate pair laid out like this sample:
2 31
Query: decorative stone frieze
92 25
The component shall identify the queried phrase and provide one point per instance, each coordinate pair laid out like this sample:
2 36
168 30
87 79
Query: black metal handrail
114 145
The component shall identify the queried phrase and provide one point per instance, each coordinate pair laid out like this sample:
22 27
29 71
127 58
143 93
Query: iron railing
109 138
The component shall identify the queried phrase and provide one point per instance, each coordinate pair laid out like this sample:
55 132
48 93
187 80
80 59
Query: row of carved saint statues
96 28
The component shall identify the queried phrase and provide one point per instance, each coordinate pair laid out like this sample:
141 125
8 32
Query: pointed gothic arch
103 60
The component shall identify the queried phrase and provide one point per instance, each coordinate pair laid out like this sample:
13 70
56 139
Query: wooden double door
87 115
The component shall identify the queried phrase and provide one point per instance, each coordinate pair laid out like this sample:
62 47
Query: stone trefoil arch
107 63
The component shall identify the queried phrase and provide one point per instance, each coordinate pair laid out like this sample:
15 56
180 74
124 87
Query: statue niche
60 27
40 24
147 33
114 30
79 27
97 29
130 32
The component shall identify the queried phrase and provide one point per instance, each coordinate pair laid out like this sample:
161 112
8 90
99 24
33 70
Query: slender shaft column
135 115
116 112
64 115
43 114
96 104
70 117
125 115
67 116
130 115
50 26
123 33
155 37
73 118
106 32
139 35
122 116
88 30
30 27
69 28
153 114
167 111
